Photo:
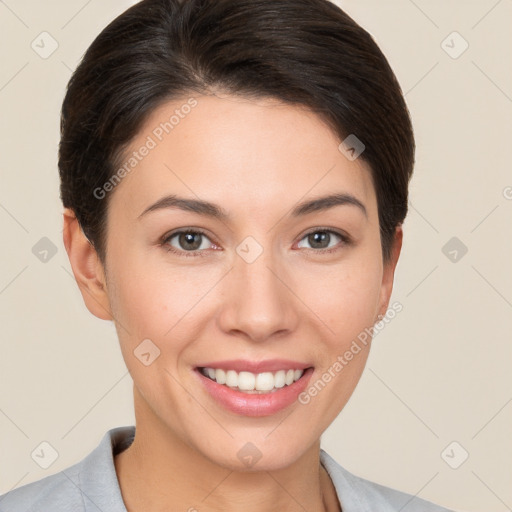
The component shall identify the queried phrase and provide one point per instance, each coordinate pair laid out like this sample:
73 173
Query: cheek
157 301
143 293
345 301
147 306
344 297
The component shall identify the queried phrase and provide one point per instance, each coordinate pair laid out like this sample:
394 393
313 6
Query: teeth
248 382
231 379
280 379
219 376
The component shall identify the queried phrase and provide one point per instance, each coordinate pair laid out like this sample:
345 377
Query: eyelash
186 254
345 240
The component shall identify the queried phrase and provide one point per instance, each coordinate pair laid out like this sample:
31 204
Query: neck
161 472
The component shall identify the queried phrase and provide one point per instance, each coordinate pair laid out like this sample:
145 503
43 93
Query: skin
257 159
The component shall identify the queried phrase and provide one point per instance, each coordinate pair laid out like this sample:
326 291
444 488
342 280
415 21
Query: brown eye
187 241
324 240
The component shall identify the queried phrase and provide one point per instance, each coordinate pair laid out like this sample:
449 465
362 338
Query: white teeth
219 375
253 383
264 381
246 381
231 379
279 379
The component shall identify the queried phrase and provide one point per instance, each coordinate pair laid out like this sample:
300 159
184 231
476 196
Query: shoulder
358 494
49 494
88 485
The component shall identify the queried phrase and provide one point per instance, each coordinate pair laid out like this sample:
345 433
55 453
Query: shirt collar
98 477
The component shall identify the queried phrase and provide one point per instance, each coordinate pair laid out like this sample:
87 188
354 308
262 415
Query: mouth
253 383
269 388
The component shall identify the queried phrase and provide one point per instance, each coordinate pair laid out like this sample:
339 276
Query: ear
389 271
87 267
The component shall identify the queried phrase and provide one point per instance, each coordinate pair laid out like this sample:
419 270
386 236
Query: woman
235 176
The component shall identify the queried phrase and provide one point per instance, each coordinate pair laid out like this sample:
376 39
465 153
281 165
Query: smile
254 388
248 382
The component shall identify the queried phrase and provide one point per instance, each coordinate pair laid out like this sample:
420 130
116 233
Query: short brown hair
303 52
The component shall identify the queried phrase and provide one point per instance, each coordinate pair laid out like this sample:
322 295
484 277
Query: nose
259 302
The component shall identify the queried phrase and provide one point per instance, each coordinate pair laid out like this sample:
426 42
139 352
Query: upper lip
269 365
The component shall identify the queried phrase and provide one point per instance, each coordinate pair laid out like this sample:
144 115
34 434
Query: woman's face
266 286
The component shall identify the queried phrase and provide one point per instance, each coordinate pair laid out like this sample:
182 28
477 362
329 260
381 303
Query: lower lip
247 404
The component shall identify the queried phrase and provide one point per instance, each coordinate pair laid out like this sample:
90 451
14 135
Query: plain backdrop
432 414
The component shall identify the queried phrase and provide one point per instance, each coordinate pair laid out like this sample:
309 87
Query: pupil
319 237
186 239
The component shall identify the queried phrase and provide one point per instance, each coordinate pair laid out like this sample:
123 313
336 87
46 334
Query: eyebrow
212 210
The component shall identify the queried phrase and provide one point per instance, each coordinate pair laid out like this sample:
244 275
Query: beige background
440 372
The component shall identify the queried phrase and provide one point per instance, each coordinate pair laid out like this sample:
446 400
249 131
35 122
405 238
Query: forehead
247 155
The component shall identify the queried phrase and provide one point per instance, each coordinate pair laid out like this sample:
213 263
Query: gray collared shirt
91 485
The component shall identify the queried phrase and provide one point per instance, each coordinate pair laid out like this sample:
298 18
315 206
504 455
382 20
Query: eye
193 242
320 240
190 241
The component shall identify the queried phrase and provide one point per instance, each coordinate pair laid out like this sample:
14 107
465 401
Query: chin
255 453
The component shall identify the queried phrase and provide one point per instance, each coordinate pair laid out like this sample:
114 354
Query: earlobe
389 271
87 267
